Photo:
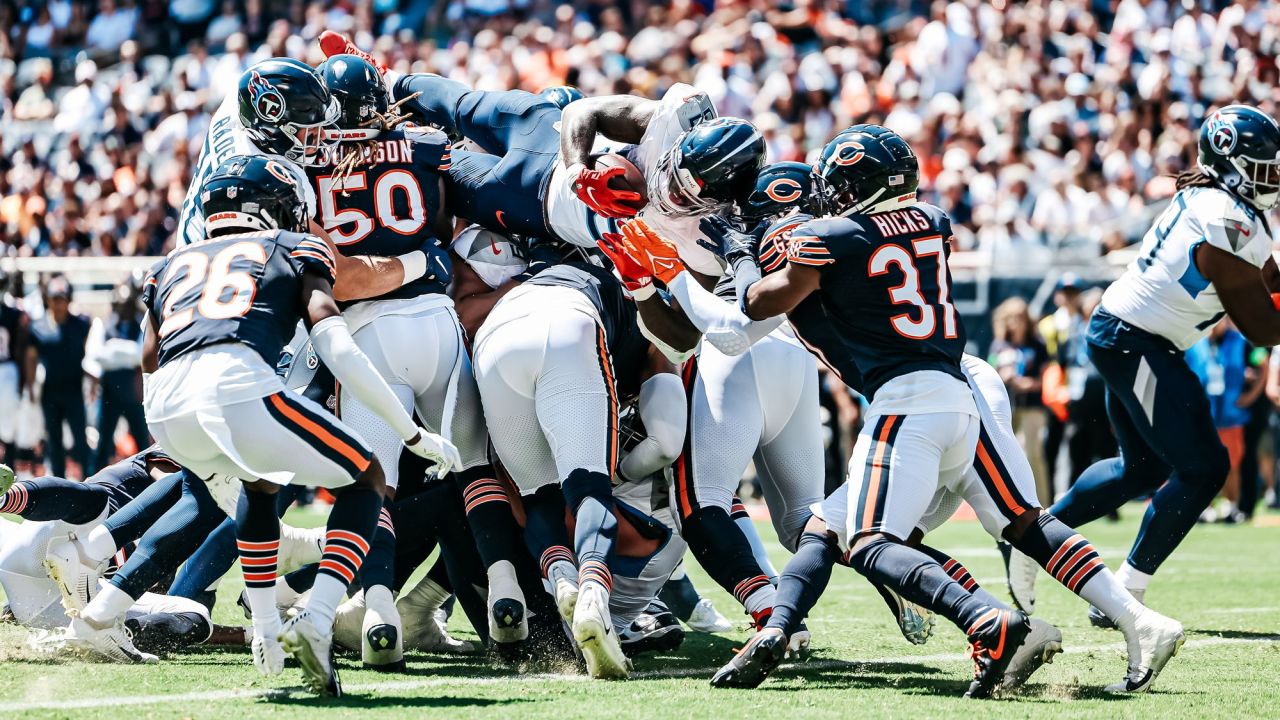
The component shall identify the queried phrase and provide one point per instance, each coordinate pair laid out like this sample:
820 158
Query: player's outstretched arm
622 118
368 276
332 342
1243 291
780 292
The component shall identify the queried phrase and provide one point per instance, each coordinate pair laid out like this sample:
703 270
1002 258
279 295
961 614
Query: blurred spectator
114 358
111 27
1020 357
58 345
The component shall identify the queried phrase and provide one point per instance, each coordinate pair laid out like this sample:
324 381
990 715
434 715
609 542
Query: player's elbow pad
333 343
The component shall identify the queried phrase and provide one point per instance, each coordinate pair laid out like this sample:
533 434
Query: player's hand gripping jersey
885 301
1162 291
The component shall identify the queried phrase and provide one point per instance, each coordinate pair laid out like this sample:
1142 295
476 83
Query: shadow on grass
367 701
1237 634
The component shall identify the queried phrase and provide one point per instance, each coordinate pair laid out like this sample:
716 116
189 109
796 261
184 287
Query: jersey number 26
215 279
922 324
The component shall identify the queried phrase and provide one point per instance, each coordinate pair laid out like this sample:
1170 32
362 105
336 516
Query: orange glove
332 43
592 188
652 251
635 278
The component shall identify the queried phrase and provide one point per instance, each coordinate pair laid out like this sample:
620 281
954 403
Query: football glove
635 278
592 187
435 448
733 243
652 251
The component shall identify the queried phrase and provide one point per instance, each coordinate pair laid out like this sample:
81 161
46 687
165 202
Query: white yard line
402 685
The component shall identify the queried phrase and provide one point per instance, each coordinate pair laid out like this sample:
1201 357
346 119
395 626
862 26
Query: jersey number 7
908 292
216 279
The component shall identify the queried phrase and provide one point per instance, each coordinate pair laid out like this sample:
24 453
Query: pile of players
580 370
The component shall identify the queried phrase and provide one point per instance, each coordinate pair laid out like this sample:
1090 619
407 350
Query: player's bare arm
1244 295
780 292
622 118
669 324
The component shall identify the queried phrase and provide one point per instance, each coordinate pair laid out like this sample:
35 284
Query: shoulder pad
1215 205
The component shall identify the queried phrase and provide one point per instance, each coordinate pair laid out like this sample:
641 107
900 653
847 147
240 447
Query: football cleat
798 643
313 650
113 642
754 662
1020 571
507 621
1042 643
654 630
706 618
1099 619
915 622
593 631
381 640
348 623
76 578
429 631
563 577
268 655
993 641
1159 638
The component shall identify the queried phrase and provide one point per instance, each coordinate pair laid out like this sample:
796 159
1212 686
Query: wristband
644 292
415 266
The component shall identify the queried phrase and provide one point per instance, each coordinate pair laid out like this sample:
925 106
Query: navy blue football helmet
360 92
1240 148
782 187
562 95
713 165
286 109
868 168
249 193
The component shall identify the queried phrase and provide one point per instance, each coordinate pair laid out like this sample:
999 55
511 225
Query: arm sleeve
663 410
723 324
333 343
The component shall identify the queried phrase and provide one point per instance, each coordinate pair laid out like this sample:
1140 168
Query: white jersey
681 108
227 138
1163 291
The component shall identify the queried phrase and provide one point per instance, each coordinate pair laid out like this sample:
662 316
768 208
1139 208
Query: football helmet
286 109
360 92
562 95
711 166
866 169
253 193
1240 147
781 187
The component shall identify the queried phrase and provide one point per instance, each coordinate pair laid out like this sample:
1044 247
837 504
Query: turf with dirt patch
1223 584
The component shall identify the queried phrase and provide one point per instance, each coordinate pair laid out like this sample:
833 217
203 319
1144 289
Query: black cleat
654 630
993 640
760 656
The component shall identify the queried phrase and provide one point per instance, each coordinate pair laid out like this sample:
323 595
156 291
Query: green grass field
1223 584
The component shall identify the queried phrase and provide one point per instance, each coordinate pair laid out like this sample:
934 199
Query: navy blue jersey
244 288
388 204
11 321
627 345
884 297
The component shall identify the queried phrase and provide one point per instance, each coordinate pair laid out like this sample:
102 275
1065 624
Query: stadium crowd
1045 129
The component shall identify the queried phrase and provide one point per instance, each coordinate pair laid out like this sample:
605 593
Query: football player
220 312
1209 255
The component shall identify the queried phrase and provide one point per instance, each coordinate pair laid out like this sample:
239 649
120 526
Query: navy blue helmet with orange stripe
781 188
253 192
867 169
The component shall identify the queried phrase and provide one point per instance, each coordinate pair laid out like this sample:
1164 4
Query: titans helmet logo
267 101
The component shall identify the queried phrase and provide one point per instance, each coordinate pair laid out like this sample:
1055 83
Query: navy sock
680 596
258 544
488 509
1061 551
951 566
545 533
802 581
214 558
349 532
379 563
300 580
918 578
131 521
723 551
589 495
171 540
52 498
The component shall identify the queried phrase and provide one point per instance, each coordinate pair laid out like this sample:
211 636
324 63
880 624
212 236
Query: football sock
738 511
488 509
918 578
589 495
258 544
351 526
110 604
1071 560
170 540
1131 578
378 569
802 582
961 574
131 521
545 533
300 580
725 553
51 498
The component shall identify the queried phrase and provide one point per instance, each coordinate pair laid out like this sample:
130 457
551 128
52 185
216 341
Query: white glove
436 449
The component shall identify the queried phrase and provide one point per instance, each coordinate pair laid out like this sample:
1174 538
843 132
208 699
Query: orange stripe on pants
877 469
321 433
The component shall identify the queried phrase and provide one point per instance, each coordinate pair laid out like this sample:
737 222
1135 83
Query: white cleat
348 622
113 642
1021 574
705 618
1039 648
507 608
798 644
593 631
381 636
268 655
313 650
1159 638
563 577
76 578
1099 619
427 632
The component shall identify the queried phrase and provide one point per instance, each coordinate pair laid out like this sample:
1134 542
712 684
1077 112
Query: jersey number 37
210 287
923 322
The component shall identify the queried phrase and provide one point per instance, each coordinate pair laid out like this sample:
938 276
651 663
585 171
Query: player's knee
865 548
582 484
373 478
1014 531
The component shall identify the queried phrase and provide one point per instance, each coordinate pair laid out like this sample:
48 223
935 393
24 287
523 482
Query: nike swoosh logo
1004 626
499 214
1243 230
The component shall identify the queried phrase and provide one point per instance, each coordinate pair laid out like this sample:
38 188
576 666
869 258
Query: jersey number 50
908 292
218 279
351 225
